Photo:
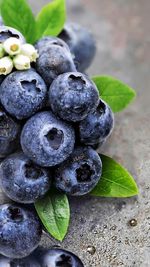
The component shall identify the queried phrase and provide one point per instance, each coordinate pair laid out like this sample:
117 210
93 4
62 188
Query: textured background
100 232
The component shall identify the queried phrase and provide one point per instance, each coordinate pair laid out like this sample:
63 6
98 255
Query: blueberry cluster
51 119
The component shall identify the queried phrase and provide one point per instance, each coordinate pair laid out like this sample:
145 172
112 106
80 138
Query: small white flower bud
21 62
6 65
12 46
30 51
2 51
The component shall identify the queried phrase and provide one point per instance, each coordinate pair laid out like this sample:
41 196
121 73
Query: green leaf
17 14
114 92
54 213
0 5
51 19
115 181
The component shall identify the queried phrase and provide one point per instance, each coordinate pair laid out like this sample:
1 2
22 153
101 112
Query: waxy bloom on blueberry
22 62
6 65
30 51
12 46
2 51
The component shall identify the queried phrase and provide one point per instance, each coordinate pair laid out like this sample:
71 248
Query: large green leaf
51 19
115 181
54 213
114 92
18 14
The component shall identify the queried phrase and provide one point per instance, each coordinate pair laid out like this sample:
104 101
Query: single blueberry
29 261
9 134
20 231
22 180
56 257
72 96
7 32
47 140
81 43
23 93
80 173
54 58
97 126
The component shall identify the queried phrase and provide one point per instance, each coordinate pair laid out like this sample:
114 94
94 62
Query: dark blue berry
54 59
81 43
47 140
23 93
72 96
97 126
9 134
20 231
22 180
7 32
80 173
59 258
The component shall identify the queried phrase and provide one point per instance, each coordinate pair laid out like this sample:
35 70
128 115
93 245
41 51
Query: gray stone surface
122 32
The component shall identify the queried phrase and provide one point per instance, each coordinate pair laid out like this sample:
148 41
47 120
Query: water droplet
91 250
105 226
95 232
113 227
133 222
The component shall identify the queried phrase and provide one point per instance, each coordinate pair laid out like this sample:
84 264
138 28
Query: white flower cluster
14 54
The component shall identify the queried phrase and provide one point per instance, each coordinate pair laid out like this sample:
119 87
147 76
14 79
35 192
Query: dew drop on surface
133 222
91 250
113 227
95 232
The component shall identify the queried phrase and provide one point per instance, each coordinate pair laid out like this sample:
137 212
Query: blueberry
23 93
97 126
29 261
80 173
72 96
81 43
20 231
9 134
7 32
22 180
54 59
47 140
59 258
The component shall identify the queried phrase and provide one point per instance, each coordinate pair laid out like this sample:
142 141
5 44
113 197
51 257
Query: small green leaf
18 14
51 19
54 213
115 181
114 92
0 5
